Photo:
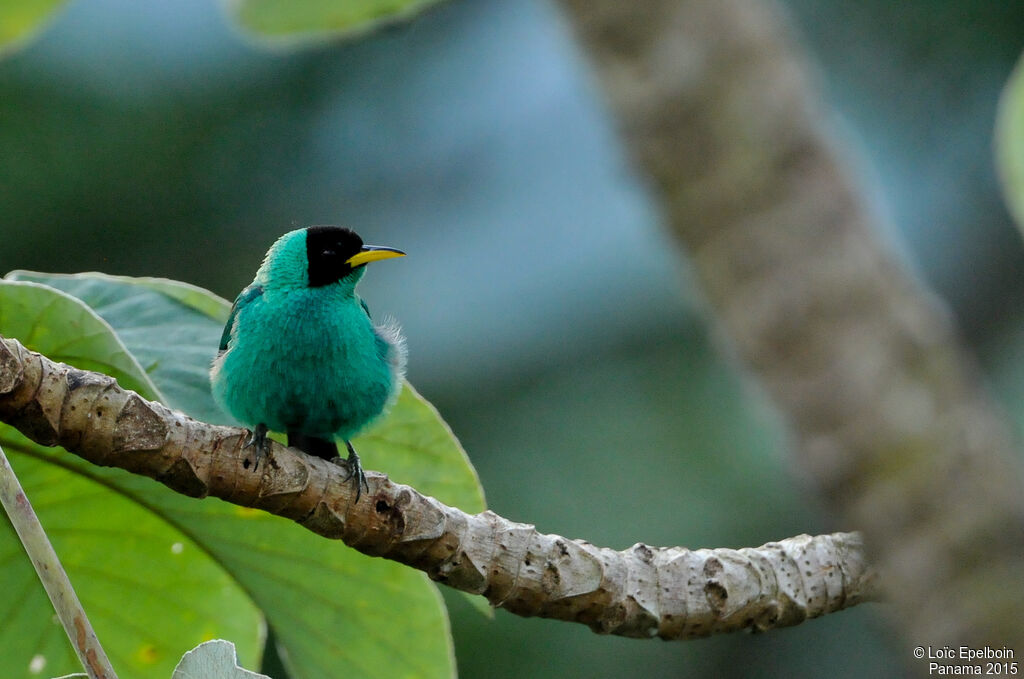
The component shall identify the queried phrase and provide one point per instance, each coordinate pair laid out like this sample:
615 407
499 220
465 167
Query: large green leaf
109 544
297 21
150 591
65 330
21 19
1010 142
335 612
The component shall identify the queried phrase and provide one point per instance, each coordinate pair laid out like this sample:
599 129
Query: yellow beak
372 253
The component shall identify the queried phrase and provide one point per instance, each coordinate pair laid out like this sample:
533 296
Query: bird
300 353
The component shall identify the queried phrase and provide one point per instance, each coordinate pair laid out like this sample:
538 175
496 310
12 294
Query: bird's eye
328 253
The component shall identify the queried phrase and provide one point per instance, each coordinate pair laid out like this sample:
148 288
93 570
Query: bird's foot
355 470
260 443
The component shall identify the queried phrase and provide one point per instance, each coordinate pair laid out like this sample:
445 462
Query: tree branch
670 592
891 422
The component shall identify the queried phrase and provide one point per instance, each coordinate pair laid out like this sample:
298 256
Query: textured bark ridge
719 110
670 592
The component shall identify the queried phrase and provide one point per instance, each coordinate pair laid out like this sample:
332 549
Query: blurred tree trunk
888 418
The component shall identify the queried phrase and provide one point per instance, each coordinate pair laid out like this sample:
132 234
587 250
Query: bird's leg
258 440
355 470
326 449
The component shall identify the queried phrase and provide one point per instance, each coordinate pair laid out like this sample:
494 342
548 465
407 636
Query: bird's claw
259 441
355 470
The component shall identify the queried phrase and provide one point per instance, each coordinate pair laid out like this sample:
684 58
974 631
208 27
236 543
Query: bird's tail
313 445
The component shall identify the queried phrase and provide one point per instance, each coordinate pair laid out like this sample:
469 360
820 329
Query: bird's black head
334 252
328 249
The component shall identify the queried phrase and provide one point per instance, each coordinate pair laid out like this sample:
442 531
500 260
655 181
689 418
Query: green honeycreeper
300 354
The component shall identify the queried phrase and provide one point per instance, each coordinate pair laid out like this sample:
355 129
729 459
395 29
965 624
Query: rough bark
670 592
889 418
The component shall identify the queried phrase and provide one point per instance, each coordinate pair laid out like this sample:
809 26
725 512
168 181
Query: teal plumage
300 353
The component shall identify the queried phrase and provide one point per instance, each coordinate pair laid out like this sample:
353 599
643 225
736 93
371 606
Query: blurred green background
548 315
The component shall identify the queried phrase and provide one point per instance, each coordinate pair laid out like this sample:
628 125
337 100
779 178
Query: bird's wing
365 308
244 298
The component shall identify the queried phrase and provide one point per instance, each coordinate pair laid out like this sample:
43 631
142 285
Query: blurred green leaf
21 19
1010 142
334 611
297 21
